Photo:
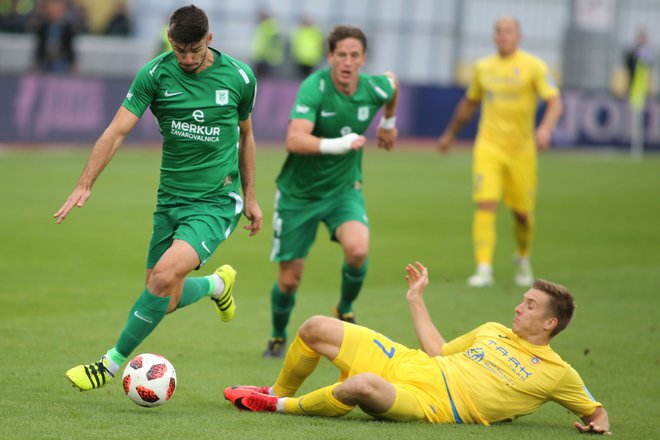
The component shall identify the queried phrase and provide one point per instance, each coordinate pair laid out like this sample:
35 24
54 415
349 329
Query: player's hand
386 137
77 198
418 279
444 142
253 213
359 142
543 137
591 428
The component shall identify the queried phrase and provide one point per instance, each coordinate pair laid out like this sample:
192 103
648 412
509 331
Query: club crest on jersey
363 113
222 97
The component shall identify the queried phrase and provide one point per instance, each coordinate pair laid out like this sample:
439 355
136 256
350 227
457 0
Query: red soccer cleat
261 390
249 400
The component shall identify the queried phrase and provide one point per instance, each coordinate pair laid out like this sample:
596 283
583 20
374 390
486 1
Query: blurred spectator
163 44
78 15
267 46
55 31
307 47
640 55
120 24
15 15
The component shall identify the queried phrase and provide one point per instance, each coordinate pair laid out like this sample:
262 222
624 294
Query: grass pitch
66 290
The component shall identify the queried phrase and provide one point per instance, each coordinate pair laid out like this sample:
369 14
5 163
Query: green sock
116 356
144 316
281 306
194 289
351 283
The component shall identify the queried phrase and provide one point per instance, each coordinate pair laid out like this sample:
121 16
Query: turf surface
65 292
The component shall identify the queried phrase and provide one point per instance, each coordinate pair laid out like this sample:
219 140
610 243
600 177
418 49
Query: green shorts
203 225
295 222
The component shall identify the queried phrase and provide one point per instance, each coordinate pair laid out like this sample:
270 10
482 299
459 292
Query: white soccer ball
149 379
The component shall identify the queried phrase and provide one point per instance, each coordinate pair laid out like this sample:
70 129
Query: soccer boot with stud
482 278
524 276
256 389
91 376
248 400
275 348
346 317
224 303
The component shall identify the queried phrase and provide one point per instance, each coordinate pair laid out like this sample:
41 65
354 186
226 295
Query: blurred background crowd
591 46
587 43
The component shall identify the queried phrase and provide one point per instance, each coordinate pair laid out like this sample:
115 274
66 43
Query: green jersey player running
202 100
321 180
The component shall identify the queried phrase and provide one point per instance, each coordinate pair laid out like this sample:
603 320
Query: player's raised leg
163 291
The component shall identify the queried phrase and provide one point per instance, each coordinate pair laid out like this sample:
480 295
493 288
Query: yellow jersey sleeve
543 81
572 394
475 91
460 344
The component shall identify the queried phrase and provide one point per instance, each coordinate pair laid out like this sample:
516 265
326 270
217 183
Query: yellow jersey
493 375
508 89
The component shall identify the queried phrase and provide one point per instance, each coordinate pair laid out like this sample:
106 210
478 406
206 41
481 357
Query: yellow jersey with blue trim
508 89
494 375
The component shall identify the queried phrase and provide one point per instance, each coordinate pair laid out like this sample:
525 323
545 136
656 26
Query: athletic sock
483 236
195 289
281 307
524 233
299 362
216 285
351 283
115 359
320 402
144 316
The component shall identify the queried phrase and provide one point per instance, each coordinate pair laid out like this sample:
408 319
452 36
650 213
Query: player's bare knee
487 206
161 281
521 217
312 330
357 254
288 281
289 285
360 387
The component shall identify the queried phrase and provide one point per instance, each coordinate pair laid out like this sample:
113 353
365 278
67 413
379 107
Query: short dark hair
188 24
561 305
342 32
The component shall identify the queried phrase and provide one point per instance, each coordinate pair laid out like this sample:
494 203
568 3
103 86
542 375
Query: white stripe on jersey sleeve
243 74
380 91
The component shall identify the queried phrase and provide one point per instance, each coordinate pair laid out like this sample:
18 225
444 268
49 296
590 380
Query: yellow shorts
496 173
417 378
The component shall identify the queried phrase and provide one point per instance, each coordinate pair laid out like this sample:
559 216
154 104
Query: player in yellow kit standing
507 85
491 374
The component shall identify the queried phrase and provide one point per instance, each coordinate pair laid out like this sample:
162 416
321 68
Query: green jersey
334 115
198 116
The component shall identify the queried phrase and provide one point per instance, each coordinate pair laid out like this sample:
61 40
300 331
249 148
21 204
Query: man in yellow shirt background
506 86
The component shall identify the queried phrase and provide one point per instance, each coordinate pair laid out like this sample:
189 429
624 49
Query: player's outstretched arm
300 140
246 164
464 112
596 423
104 149
387 133
430 339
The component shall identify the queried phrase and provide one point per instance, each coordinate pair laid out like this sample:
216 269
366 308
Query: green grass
65 291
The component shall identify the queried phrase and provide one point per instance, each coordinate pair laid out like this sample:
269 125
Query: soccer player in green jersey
321 180
491 374
202 100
